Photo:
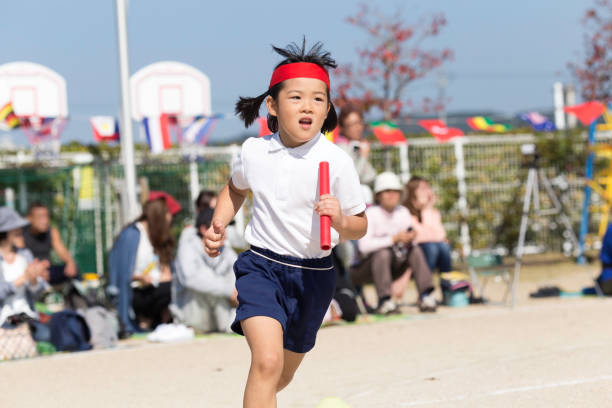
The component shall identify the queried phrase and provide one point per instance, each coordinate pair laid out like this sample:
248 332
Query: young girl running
285 281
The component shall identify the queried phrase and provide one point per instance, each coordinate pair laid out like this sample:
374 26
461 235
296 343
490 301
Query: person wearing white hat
388 253
21 276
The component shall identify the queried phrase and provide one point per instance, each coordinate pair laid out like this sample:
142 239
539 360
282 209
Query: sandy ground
542 353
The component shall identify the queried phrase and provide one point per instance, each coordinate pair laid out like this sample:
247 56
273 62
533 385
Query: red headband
299 70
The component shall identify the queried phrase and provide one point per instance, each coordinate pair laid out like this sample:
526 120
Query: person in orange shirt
427 223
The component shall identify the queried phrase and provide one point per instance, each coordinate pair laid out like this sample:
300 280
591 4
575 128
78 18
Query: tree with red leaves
595 74
395 60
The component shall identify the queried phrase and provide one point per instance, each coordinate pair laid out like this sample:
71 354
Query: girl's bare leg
291 363
265 338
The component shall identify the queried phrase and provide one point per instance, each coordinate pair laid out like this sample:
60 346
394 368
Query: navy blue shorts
294 291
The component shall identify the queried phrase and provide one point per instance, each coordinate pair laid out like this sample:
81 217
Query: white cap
387 181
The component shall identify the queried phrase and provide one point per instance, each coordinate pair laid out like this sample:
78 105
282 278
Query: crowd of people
154 279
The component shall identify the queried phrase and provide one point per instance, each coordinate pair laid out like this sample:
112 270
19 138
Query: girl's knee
268 364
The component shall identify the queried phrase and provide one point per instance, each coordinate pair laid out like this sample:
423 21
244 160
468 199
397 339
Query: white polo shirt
285 186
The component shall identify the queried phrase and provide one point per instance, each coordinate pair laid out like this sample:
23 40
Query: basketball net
44 135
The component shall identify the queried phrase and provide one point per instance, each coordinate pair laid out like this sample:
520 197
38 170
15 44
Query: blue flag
538 122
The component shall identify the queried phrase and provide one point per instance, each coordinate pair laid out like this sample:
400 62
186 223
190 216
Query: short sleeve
239 178
347 189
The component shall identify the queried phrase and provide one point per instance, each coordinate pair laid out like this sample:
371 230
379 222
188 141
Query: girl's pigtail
248 108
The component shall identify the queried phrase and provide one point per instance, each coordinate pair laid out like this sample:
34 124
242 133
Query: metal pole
462 203
570 100
127 141
558 104
23 194
584 222
98 222
194 182
404 163
108 209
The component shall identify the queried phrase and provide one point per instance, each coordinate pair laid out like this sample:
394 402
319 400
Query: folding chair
487 266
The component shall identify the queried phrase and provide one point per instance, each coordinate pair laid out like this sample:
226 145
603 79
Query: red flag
439 130
388 133
586 112
263 126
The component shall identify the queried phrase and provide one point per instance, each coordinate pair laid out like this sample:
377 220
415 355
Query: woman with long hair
427 223
140 262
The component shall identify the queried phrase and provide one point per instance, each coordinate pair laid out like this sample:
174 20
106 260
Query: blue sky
507 53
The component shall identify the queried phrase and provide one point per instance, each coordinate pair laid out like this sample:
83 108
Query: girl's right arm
229 202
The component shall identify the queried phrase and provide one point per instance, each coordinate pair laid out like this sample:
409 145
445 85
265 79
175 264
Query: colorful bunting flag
105 128
485 124
333 135
199 130
538 122
439 130
388 133
8 117
586 112
157 133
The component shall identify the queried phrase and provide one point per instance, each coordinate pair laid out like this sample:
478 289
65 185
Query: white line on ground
510 391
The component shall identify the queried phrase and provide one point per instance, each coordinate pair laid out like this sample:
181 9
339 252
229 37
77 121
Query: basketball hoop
39 99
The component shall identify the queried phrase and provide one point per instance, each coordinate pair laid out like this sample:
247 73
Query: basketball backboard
169 87
34 90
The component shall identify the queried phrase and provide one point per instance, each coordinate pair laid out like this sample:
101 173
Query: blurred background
498 74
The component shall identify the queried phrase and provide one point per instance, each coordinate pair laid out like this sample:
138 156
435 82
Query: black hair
204 218
3 236
34 205
248 108
204 199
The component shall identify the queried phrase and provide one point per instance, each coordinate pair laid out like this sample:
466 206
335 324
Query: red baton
325 220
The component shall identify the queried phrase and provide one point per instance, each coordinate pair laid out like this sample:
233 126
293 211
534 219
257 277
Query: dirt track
544 353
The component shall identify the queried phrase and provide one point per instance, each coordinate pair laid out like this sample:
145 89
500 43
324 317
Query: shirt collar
300 151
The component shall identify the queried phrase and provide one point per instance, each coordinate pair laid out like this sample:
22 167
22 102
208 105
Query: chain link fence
84 200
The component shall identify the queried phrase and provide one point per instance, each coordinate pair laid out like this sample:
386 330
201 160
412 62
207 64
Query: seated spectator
388 250
351 140
22 278
139 265
233 236
605 278
344 303
203 291
427 223
40 238
206 199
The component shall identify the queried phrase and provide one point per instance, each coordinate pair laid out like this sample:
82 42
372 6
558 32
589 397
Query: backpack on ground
103 325
69 331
